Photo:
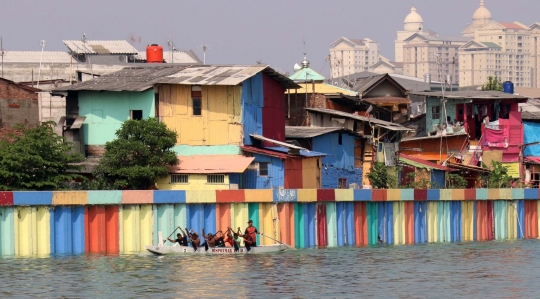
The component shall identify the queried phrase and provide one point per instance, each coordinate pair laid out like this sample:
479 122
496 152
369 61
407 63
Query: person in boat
209 240
233 239
194 237
250 238
379 240
220 239
181 239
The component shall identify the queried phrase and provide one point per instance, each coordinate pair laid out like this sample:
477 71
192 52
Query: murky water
472 270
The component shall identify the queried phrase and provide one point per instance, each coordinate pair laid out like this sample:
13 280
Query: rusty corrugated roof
211 164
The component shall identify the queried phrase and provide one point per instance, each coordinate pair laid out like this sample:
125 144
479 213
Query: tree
141 153
498 176
455 181
36 159
379 176
493 84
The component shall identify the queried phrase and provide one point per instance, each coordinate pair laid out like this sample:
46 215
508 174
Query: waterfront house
342 165
18 104
220 111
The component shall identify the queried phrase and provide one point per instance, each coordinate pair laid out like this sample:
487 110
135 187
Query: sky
241 31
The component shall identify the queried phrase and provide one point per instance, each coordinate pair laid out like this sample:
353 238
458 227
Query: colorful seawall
76 222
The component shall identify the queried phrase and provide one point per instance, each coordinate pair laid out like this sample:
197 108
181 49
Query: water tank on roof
154 54
508 87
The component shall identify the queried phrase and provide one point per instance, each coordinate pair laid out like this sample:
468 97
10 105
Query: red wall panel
274 109
322 229
102 229
293 173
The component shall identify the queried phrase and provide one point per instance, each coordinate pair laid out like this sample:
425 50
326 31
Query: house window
435 112
263 169
179 179
215 179
197 106
135 114
342 183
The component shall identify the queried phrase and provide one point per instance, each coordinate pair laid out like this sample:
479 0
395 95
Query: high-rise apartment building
505 50
349 56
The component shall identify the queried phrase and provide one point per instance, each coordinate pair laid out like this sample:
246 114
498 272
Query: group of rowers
219 239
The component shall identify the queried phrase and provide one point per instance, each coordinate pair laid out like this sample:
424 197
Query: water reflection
492 269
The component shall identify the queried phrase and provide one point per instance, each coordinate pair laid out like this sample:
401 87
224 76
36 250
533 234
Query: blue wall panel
331 176
389 223
455 221
252 103
362 195
381 221
420 226
310 223
520 206
351 230
438 177
274 179
201 216
32 198
67 230
341 226
169 196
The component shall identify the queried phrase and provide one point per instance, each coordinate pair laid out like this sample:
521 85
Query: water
469 270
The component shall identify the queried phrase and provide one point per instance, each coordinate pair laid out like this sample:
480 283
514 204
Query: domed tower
413 21
482 15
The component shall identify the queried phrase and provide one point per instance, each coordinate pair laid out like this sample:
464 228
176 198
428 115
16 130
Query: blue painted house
342 165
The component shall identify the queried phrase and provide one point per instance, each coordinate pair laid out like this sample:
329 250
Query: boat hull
166 250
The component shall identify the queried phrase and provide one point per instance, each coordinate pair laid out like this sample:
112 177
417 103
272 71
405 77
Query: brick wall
18 105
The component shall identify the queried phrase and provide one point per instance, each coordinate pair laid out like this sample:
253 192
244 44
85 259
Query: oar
286 245
170 235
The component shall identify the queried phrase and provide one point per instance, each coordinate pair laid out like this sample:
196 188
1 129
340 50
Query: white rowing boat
162 250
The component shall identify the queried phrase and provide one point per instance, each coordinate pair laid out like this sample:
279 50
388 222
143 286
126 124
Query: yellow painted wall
433 222
220 119
136 225
311 173
239 216
32 231
195 182
268 223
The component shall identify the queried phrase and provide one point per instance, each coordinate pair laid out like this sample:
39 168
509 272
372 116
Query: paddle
170 235
286 245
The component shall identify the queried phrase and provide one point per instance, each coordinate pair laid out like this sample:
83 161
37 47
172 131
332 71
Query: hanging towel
484 110
475 110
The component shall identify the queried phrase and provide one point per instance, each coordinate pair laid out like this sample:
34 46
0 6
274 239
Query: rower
250 240
233 239
209 240
194 237
181 239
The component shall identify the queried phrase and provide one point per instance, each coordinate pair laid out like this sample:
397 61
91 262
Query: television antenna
42 43
204 49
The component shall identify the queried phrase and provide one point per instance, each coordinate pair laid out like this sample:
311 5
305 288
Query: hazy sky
241 31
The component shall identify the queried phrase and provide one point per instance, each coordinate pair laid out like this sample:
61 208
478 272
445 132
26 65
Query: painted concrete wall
195 182
302 218
106 111
339 162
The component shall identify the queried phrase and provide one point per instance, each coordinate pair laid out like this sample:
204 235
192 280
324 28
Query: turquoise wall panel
481 194
7 234
331 224
109 197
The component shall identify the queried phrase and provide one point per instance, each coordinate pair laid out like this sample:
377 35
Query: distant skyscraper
349 56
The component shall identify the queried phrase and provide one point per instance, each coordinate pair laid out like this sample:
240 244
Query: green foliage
139 155
379 176
493 84
455 181
36 159
498 176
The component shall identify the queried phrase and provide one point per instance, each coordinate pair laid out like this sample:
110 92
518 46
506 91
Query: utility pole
2 54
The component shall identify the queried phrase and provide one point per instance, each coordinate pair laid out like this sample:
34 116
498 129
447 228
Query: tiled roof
100 47
512 26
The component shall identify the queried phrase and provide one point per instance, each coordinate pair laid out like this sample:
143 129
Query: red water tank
154 54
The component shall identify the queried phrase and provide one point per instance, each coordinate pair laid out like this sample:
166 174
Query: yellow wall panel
311 173
344 194
239 216
268 222
136 224
70 198
262 195
32 231
216 98
201 196
217 132
307 195
236 132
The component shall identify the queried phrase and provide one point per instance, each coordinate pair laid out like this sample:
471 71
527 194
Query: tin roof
472 94
308 132
306 74
100 47
376 122
140 78
420 163
35 57
364 85
280 152
324 88
211 164
530 110
303 153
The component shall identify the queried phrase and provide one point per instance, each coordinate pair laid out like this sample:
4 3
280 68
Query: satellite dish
297 67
